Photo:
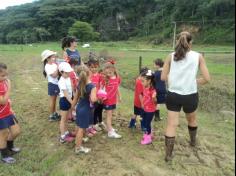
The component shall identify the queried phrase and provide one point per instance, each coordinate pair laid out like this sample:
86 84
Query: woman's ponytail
182 46
65 43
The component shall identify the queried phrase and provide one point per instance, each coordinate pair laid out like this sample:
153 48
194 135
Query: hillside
212 21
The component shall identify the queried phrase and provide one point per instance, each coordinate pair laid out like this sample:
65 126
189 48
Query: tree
42 33
84 31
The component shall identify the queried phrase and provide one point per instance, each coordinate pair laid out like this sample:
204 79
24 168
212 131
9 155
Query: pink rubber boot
147 139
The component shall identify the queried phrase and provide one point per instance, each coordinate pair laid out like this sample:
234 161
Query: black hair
149 77
73 61
92 62
44 72
66 41
159 62
3 67
143 69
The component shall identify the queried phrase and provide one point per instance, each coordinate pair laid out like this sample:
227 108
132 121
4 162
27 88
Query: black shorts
109 107
64 104
138 111
174 102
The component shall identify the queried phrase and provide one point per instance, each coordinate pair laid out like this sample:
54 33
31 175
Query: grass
42 155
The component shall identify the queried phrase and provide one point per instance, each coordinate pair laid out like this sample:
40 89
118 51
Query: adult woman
69 45
180 70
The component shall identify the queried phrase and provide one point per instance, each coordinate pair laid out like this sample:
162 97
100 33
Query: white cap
65 67
46 54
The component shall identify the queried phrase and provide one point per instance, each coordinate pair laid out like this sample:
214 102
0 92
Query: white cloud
7 3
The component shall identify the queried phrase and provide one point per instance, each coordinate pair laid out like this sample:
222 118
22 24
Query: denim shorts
53 89
8 121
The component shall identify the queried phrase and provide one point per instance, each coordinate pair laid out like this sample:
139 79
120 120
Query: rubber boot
192 134
169 144
132 123
157 115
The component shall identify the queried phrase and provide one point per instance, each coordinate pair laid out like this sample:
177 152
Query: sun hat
65 67
46 54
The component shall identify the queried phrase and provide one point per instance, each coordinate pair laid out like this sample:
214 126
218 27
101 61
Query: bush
84 31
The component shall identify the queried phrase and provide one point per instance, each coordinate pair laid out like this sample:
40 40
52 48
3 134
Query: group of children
85 91
85 94
85 88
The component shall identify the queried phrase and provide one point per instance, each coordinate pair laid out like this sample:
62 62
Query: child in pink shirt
111 84
96 79
149 104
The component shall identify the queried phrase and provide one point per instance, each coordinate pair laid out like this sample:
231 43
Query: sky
7 3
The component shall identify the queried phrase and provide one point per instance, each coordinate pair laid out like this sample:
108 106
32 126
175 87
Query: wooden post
174 37
140 63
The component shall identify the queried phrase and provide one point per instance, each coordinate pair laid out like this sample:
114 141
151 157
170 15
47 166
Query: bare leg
172 123
79 137
63 122
14 131
109 120
191 118
3 138
52 104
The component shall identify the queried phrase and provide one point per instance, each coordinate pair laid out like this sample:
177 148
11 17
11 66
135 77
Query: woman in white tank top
180 71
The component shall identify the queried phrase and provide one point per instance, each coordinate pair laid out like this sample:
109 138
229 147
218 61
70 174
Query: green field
43 155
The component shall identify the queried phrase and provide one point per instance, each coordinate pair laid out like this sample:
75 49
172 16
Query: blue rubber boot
132 123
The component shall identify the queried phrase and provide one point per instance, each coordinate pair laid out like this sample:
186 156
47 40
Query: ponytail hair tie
149 73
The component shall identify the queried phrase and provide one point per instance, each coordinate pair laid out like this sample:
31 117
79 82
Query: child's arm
66 94
154 97
75 99
166 69
205 73
4 98
119 95
93 95
141 100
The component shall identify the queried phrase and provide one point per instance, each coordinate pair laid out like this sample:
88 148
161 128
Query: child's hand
142 106
154 97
